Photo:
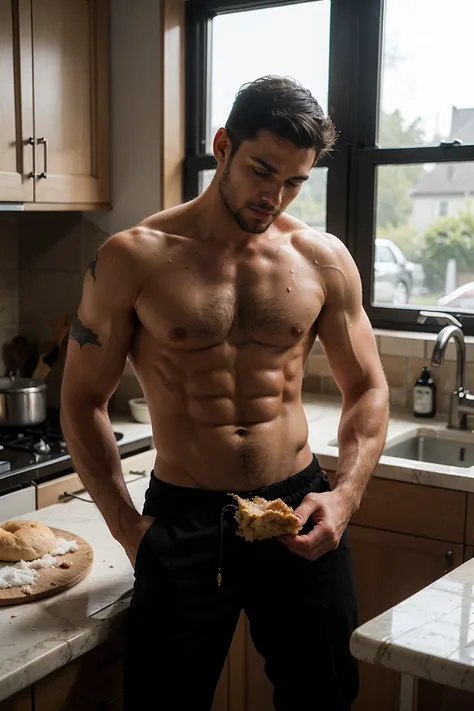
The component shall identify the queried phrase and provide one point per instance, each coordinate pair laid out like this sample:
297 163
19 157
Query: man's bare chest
198 304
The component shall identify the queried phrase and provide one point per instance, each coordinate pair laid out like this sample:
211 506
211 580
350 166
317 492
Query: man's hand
134 537
331 513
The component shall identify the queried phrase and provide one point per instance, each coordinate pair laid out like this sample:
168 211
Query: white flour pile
23 573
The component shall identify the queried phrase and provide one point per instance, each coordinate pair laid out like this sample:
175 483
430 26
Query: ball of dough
25 540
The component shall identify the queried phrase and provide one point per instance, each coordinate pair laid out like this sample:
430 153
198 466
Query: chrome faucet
461 402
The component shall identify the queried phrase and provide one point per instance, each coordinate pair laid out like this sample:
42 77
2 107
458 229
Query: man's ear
222 146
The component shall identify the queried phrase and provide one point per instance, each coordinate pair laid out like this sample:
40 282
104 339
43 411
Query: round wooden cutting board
51 581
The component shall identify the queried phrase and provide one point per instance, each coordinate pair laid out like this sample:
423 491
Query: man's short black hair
284 107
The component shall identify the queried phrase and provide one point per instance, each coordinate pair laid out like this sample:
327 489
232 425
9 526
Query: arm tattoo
93 265
82 334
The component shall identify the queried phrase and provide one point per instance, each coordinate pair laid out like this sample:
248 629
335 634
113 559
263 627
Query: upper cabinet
54 103
16 102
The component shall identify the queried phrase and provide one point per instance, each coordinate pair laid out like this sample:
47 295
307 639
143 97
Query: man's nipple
178 334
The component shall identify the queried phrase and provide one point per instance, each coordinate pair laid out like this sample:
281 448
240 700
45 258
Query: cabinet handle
31 142
448 561
44 141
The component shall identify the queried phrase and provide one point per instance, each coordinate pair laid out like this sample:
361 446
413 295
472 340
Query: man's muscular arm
346 336
99 341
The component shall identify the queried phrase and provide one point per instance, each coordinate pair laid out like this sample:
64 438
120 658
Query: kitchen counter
39 637
430 635
323 415
132 430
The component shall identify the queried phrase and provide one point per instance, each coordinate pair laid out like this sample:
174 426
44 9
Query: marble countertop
430 635
38 637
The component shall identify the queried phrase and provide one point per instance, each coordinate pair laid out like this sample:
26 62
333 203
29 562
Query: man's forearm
93 449
361 438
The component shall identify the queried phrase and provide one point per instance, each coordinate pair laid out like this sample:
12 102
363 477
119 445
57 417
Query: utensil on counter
50 355
8 359
22 401
20 356
20 351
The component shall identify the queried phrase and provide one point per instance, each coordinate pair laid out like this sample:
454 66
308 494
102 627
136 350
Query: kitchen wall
136 115
8 276
402 356
43 259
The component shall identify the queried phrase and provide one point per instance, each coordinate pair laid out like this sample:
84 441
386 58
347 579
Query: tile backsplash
8 277
402 355
43 259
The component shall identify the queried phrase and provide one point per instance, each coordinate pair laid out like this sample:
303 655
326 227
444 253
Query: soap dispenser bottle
424 395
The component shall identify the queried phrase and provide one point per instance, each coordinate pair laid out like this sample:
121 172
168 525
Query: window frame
356 35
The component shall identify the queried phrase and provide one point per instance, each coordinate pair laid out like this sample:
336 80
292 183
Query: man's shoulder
324 248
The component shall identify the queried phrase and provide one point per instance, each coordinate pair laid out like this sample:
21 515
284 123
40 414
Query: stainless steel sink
438 446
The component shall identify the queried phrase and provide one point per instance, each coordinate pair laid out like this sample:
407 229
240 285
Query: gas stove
28 453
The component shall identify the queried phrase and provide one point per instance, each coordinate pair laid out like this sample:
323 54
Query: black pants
181 623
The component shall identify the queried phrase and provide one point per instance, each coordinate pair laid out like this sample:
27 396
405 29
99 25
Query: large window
399 187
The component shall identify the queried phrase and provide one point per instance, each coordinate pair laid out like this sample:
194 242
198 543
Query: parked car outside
461 298
395 277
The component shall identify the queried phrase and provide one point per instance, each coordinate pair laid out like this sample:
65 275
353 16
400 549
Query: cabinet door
16 102
70 59
390 567
435 697
231 691
19 702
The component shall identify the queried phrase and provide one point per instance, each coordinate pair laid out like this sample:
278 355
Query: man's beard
254 226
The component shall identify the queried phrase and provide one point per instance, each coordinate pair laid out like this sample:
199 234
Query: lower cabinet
389 567
22 701
92 682
243 685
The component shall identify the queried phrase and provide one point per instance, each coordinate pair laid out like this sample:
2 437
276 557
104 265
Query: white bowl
139 409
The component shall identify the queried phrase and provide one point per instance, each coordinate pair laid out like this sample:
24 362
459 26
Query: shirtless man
217 304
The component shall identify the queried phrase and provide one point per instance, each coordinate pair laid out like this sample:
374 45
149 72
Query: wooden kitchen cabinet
470 520
22 701
16 102
54 103
390 567
88 683
70 58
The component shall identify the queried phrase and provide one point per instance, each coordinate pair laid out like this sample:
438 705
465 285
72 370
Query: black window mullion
197 36
227 6
415 154
370 30
342 92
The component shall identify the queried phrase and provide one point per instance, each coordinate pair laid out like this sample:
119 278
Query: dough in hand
259 519
25 540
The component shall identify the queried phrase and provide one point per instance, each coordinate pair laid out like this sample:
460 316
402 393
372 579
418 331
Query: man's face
260 180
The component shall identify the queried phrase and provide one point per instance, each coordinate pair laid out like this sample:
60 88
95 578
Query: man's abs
223 429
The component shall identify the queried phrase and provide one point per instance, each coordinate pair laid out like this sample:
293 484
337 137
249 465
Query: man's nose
273 195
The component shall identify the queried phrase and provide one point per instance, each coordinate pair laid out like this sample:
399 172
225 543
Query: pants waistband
162 493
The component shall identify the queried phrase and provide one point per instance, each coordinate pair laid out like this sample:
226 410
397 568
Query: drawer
53 492
410 508
138 464
17 503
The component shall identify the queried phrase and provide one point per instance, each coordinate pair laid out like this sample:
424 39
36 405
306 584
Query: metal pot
22 401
